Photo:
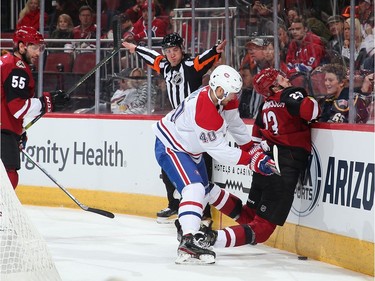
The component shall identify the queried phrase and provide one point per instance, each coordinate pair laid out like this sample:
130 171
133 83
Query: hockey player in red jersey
17 96
199 125
283 120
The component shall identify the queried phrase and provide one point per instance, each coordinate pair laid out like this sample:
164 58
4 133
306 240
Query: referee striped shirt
183 79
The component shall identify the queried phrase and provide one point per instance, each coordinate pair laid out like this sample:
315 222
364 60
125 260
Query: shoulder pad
295 93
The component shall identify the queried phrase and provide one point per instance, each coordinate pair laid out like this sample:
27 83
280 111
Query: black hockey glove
59 99
22 141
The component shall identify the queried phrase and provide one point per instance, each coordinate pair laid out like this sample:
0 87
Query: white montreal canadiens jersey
198 126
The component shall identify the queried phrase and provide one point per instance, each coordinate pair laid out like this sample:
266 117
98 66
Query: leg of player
193 249
169 214
182 171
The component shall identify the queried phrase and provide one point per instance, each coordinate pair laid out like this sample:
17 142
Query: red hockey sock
13 177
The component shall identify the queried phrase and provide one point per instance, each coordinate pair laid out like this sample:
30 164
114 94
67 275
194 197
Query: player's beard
25 58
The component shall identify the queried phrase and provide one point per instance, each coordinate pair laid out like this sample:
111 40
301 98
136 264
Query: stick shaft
80 81
82 206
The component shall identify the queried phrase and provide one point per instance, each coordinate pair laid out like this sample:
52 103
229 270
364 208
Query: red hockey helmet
28 35
264 80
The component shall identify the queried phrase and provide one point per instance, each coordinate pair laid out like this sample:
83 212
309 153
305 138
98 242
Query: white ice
89 247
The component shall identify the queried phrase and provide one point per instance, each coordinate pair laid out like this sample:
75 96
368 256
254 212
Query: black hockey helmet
171 40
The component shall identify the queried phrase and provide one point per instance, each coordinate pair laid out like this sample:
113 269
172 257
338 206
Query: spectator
316 25
184 26
284 41
292 14
336 28
132 96
64 30
126 27
140 29
256 48
368 63
135 12
183 75
246 91
87 28
110 9
346 12
334 106
306 50
269 56
253 26
68 7
365 12
360 52
261 16
30 15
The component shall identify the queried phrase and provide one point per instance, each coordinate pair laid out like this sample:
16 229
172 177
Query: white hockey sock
221 239
191 207
214 194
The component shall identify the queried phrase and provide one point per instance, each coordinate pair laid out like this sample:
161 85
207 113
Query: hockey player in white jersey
199 124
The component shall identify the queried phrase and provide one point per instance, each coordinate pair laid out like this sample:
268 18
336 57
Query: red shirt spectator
135 12
158 29
30 15
87 29
305 51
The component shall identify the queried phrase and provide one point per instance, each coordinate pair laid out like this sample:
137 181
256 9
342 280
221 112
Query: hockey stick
117 45
275 168
82 206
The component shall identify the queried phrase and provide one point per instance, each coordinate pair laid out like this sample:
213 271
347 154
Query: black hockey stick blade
101 212
82 206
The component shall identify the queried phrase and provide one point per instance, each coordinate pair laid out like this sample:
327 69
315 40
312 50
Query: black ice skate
166 215
194 250
210 235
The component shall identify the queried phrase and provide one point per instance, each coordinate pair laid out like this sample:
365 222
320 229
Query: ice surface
89 247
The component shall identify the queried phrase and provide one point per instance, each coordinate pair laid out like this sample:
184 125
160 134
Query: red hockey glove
260 162
54 101
47 104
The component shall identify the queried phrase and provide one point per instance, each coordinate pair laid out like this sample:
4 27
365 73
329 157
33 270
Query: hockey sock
225 202
13 177
262 228
191 207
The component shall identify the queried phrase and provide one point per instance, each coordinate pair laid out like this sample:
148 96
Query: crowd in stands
309 39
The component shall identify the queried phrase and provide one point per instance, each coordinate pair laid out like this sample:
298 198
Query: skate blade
168 220
185 258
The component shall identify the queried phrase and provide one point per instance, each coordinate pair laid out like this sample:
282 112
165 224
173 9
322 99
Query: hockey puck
302 258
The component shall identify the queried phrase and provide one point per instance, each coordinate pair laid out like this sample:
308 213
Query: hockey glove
46 101
22 141
260 162
59 99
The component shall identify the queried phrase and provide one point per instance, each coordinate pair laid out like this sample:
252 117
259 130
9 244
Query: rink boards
108 162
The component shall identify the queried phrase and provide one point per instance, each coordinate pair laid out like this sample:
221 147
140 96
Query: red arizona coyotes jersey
17 90
283 119
197 126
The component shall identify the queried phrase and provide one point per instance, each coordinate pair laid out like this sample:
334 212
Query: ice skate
194 250
166 215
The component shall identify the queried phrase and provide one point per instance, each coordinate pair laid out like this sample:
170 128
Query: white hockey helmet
227 78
